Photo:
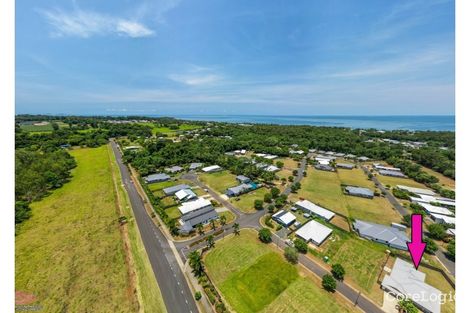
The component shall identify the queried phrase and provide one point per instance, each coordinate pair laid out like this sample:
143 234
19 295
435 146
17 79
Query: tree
271 208
223 220
236 228
328 282
290 178
275 192
22 211
200 229
195 261
291 255
407 306
437 231
451 249
197 295
338 271
264 235
280 164
268 198
431 246
301 245
295 172
258 204
55 126
210 241
213 226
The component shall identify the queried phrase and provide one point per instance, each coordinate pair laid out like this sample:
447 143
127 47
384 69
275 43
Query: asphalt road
176 294
298 178
448 263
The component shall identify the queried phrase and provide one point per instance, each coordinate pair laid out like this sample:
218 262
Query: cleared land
443 180
219 181
393 181
169 131
254 278
41 128
324 188
246 202
70 254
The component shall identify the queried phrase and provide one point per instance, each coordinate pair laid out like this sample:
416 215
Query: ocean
392 122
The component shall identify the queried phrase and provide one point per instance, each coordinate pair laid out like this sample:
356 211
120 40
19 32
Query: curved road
176 294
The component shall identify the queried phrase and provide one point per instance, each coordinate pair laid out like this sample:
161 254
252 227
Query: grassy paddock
247 201
219 181
70 253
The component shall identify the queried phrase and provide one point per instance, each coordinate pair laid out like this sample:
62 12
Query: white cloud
79 23
195 80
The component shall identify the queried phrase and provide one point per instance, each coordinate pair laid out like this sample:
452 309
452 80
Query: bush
197 295
338 271
268 198
291 255
301 245
431 246
437 231
258 204
451 250
328 282
264 235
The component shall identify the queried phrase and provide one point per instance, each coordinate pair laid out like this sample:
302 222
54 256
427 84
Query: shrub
197 295
301 245
338 271
328 282
264 235
291 255
431 246
437 231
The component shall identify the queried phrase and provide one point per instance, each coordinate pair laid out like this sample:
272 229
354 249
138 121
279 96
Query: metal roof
387 234
314 231
359 191
315 209
173 189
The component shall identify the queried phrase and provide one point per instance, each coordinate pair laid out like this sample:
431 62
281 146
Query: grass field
443 180
246 202
253 277
289 164
230 217
173 212
219 181
161 185
324 188
169 131
148 291
42 128
70 254
393 181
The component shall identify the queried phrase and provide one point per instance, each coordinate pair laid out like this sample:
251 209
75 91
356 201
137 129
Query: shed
314 232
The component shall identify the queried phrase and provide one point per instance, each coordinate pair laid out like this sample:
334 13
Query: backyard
245 202
219 181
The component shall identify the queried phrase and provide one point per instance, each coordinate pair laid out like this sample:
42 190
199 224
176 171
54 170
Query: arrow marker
416 246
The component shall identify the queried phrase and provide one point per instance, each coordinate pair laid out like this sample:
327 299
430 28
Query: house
417 191
349 156
430 199
132 148
429 208
314 232
199 211
296 151
363 159
270 157
451 232
405 281
238 190
377 166
359 192
443 219
211 169
170 191
272 168
285 218
261 155
346 166
156 178
173 169
309 207
323 167
184 195
194 166
388 235
392 173
243 179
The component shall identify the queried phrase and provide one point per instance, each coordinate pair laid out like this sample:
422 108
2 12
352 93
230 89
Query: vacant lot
254 278
393 181
443 180
246 202
324 188
219 181
70 254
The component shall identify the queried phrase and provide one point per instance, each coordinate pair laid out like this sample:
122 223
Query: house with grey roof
405 281
173 169
392 173
285 218
195 166
170 191
324 167
156 178
388 235
184 195
243 179
199 211
238 190
363 158
346 166
359 192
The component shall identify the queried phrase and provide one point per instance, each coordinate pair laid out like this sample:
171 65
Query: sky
266 57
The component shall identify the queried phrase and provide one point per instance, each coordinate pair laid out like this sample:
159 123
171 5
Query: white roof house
195 205
405 280
270 157
386 168
429 208
418 191
314 232
212 168
310 207
272 168
443 219
284 217
185 195
431 199
323 161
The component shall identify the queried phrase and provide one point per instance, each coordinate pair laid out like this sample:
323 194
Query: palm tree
223 220
236 228
200 229
210 241
213 225
195 261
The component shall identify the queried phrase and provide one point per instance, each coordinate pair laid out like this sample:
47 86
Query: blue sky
166 57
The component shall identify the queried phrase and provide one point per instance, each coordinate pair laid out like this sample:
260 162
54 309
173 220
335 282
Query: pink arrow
416 246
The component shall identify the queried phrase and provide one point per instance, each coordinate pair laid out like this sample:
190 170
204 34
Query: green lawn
42 128
219 181
246 201
169 131
230 217
438 281
70 254
393 181
161 185
253 277
173 212
324 188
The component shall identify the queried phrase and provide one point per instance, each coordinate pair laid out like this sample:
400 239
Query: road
176 294
449 264
298 178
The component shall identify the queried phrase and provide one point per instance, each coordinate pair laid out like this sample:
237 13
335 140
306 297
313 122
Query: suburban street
449 264
298 178
176 293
